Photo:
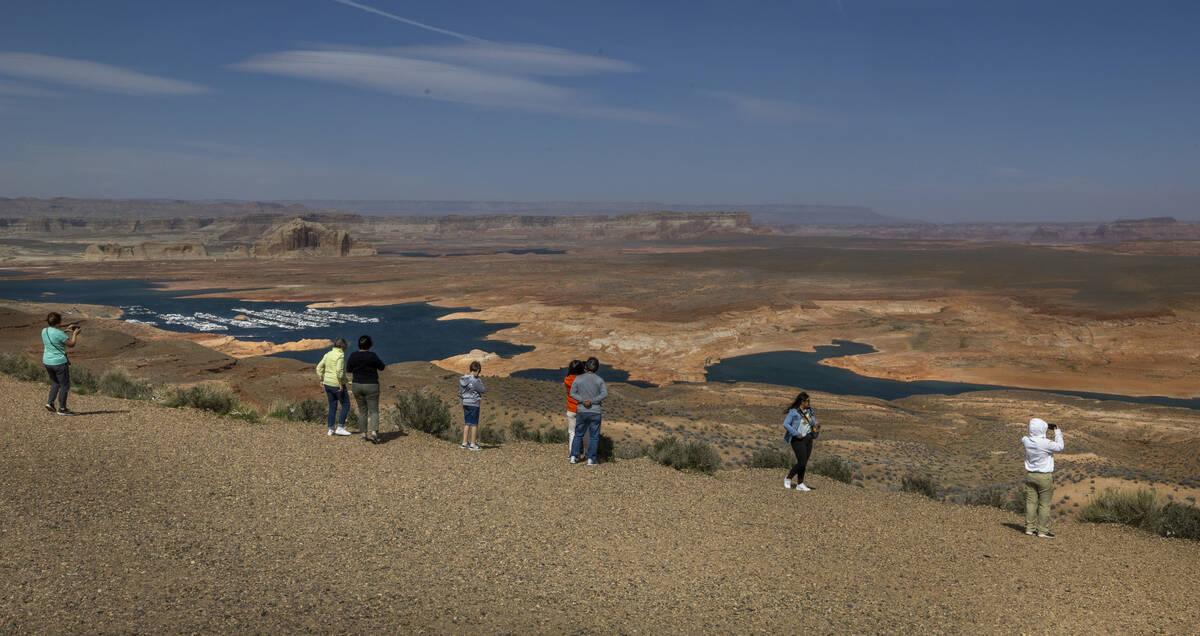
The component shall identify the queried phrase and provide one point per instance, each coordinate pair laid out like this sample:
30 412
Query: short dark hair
340 343
575 368
592 365
475 366
364 342
53 318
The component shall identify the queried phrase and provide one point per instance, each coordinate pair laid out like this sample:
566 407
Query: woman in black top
364 367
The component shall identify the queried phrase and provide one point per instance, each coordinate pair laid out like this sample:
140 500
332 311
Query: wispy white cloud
92 75
521 59
21 90
772 110
430 79
392 16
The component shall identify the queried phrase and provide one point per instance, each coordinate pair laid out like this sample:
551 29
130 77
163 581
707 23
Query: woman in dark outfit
802 428
364 367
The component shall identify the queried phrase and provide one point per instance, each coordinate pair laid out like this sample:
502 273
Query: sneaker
592 462
574 460
1045 535
341 430
329 431
801 486
463 445
474 447
1030 532
787 484
65 411
50 407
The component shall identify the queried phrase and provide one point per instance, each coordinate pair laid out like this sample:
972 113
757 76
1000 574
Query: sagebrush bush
1138 508
489 435
554 435
628 449
771 458
693 455
424 411
1179 520
832 467
1002 497
217 399
116 383
303 411
22 368
521 431
920 484
83 381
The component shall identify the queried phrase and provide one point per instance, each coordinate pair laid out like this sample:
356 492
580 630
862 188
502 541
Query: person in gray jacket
589 390
471 390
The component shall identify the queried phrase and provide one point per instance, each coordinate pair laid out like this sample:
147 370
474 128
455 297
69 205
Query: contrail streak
465 38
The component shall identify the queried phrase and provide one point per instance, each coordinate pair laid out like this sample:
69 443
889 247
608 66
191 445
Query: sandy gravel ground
139 518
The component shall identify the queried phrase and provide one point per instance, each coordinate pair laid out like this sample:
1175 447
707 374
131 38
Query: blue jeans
586 423
337 395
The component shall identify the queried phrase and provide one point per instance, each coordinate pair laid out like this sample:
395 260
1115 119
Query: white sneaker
574 460
462 445
341 430
787 484
330 432
592 462
475 447
801 486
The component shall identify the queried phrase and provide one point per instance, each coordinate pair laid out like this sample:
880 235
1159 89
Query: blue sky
945 111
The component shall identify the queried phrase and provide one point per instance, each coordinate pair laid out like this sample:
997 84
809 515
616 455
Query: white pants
570 430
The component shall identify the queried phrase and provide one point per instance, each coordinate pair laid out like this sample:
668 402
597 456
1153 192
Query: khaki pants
1039 489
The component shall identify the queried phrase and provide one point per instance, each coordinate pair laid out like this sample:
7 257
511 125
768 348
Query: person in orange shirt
574 369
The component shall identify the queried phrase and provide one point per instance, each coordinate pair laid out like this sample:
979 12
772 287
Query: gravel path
140 518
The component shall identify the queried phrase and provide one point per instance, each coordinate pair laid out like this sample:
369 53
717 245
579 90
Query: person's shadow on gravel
391 435
1015 526
78 413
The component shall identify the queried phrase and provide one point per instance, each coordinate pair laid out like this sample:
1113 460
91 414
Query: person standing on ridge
574 370
802 428
332 371
55 342
471 390
589 391
1039 476
364 367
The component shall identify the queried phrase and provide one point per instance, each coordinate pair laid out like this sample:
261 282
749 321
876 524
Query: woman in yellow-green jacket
332 371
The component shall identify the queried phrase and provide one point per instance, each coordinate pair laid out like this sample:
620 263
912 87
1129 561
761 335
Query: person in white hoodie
470 389
1039 476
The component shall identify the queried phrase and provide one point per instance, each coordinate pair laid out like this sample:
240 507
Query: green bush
83 381
693 455
833 467
304 411
1004 498
1179 520
628 449
489 435
218 399
554 435
920 484
771 458
1138 508
22 368
424 411
116 383
521 431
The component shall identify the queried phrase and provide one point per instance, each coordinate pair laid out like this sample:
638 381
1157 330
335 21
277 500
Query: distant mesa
302 239
148 251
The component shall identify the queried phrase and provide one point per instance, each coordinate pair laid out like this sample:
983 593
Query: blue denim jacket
796 426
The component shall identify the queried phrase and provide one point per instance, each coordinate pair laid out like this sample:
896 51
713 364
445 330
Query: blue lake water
517 252
803 370
402 333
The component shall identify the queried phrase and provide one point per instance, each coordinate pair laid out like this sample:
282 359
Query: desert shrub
489 435
628 449
771 458
554 435
832 467
604 448
920 484
1179 520
521 431
22 368
83 381
216 398
1012 500
692 455
1138 508
423 411
116 383
303 411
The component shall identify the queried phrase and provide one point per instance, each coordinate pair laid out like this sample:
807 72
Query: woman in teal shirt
58 367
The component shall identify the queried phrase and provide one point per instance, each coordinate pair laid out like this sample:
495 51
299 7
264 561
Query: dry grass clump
303 411
833 467
1143 509
771 458
920 484
22 368
216 398
692 455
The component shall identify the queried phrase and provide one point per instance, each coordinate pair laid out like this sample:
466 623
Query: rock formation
144 251
299 238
